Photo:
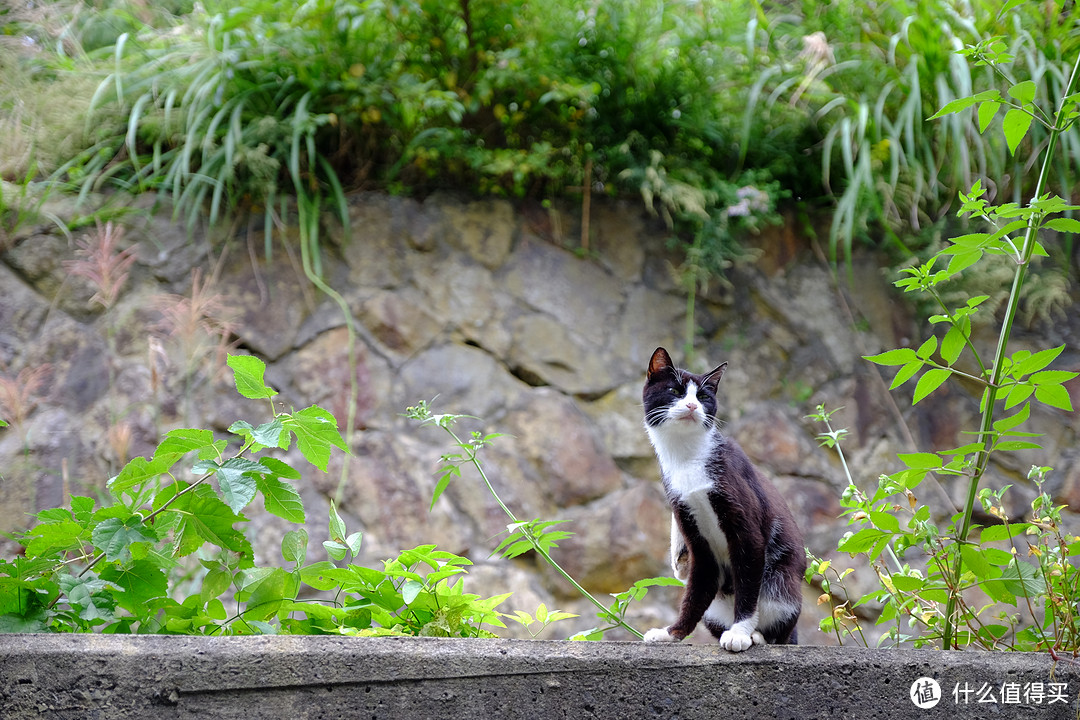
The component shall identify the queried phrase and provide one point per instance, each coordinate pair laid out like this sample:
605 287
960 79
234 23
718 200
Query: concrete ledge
115 677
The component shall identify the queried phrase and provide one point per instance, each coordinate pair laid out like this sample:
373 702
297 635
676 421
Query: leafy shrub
1033 589
166 555
238 105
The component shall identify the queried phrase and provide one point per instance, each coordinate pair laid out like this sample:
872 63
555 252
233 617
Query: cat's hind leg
680 553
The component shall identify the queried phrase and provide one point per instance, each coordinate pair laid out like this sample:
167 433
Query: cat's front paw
659 635
737 640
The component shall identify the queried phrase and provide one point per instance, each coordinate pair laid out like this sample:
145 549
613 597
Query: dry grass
195 326
19 395
101 260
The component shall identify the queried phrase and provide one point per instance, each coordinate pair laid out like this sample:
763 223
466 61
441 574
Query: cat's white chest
697 503
687 480
682 461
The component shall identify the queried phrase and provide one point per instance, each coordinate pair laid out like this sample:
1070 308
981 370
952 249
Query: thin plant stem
472 459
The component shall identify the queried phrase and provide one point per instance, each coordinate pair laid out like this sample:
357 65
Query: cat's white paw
737 640
757 637
660 635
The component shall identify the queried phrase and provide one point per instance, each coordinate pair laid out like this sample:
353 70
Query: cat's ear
712 380
660 361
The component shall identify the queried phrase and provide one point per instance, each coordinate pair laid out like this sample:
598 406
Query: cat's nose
691 406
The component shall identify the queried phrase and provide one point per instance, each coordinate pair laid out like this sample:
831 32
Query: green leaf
997 533
1014 445
115 536
17 624
294 546
265 590
1036 362
279 468
1015 126
410 590
920 460
82 508
269 433
1062 224
976 562
216 581
907 583
46 539
180 442
238 487
954 107
280 498
968 449
987 111
906 373
899 356
248 374
142 582
927 348
1009 6
90 596
449 473
354 542
337 525
334 549
862 540
997 556
1023 578
885 521
1008 423
202 517
962 261
952 345
316 431
1018 394
137 471
929 382
1051 377
1023 92
325 575
1054 396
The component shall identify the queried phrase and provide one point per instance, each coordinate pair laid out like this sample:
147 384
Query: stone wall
120 677
480 307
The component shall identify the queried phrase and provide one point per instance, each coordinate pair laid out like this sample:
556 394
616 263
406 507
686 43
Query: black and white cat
733 540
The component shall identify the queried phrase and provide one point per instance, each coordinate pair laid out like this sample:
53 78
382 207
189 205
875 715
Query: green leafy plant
166 553
939 600
535 535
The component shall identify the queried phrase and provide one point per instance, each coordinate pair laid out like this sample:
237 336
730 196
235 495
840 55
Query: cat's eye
674 391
